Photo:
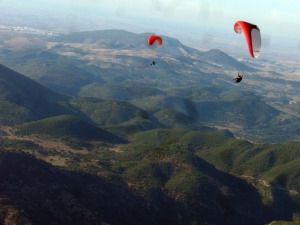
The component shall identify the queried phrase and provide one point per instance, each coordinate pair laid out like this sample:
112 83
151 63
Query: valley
98 64
88 128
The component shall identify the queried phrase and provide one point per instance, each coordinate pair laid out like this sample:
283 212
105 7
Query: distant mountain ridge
102 65
82 59
120 39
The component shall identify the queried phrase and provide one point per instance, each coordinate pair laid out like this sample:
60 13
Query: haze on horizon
198 23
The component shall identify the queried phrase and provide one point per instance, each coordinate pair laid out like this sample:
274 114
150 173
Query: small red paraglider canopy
252 36
155 39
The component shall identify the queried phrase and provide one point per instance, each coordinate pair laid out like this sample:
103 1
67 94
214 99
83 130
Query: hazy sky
197 21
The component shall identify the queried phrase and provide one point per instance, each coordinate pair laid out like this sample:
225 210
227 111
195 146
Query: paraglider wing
252 36
152 39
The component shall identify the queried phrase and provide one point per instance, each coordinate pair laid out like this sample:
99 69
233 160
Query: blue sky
194 21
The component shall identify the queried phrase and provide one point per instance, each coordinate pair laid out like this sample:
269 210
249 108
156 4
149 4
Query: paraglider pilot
238 79
152 40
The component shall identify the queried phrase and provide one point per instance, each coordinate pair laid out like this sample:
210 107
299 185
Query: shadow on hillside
283 207
51 196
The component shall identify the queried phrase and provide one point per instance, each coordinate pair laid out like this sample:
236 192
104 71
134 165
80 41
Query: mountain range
92 134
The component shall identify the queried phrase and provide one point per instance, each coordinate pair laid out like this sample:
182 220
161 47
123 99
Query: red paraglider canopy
155 39
252 36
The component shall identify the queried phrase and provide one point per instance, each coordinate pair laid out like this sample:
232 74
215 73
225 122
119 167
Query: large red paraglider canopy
155 39
252 36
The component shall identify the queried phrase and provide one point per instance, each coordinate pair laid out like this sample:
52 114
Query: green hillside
247 112
121 118
108 113
186 176
272 169
172 118
215 107
64 75
68 127
169 159
193 196
122 92
22 99
185 138
43 194
275 163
